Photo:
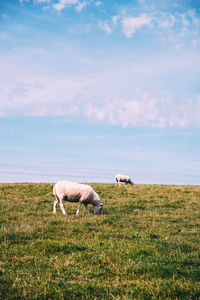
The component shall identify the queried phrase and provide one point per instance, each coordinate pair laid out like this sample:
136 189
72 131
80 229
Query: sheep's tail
54 191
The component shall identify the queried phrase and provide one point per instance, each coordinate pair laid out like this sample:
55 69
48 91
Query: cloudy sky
91 88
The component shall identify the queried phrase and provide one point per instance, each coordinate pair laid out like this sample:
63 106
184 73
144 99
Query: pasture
144 245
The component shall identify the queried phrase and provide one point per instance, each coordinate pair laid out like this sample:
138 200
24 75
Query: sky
89 89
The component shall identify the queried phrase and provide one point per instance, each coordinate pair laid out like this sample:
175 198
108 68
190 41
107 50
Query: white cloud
111 89
178 30
131 24
77 29
166 21
80 6
109 25
194 18
63 3
69 2
145 110
59 6
42 1
21 1
171 27
98 3
115 19
184 20
68 97
105 26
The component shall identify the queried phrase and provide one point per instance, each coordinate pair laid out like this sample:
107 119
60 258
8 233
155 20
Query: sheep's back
72 191
122 177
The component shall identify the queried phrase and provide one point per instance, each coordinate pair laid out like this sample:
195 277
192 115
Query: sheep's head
98 208
131 182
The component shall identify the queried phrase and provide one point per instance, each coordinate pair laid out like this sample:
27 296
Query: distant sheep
123 178
75 192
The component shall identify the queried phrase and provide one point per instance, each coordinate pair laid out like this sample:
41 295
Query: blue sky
92 88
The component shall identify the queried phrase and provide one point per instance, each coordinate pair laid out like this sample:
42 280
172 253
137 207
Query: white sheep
123 178
76 192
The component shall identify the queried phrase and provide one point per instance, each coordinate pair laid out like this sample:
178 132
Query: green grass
144 245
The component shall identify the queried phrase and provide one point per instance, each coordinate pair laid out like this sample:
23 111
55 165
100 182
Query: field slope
145 245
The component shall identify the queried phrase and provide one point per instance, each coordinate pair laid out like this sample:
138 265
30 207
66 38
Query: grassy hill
144 245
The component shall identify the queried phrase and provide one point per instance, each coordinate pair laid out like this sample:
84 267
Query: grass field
144 245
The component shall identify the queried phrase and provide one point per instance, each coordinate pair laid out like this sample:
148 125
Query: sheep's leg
86 207
79 206
62 207
54 205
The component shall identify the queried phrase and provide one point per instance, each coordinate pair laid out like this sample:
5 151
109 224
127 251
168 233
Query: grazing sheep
76 192
123 178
